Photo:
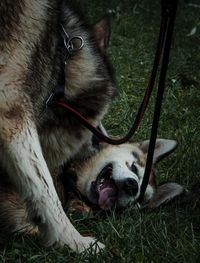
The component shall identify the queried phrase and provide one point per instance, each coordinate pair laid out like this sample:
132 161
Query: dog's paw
89 244
66 234
77 243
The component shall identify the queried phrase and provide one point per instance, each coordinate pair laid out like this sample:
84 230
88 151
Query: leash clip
72 44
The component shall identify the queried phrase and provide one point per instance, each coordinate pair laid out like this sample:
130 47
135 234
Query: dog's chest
62 136
61 142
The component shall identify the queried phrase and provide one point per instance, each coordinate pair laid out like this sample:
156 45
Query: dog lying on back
113 176
109 179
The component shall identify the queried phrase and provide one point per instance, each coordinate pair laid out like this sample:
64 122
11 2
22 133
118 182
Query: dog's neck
68 48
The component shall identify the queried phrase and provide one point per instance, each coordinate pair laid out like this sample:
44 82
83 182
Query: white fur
35 185
122 157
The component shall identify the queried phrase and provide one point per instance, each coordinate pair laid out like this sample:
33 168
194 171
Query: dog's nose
130 186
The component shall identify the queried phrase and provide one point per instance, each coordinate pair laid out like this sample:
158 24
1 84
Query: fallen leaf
192 32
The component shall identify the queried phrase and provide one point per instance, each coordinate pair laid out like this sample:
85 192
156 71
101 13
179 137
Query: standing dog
35 142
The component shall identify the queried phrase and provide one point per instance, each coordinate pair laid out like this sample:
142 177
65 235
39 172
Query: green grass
171 234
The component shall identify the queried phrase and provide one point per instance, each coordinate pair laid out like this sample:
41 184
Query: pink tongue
107 195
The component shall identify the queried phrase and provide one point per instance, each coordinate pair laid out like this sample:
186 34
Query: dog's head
88 68
114 175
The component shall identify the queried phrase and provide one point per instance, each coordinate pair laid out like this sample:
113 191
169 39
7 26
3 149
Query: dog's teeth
100 186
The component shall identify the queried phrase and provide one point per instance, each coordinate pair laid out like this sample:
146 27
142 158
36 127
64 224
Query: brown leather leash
168 14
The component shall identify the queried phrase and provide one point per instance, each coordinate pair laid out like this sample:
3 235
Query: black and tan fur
34 145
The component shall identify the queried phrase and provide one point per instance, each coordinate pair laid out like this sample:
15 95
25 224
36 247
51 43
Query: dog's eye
134 168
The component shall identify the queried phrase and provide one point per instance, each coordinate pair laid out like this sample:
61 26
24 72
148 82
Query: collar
71 45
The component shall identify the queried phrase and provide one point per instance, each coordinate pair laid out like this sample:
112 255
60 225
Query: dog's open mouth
105 188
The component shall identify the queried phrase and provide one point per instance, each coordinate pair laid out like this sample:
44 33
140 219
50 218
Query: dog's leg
28 171
13 215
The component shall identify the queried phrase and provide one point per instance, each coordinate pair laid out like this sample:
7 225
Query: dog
112 178
109 179
45 45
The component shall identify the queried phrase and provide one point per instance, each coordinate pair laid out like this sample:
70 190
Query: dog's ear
164 193
102 33
163 148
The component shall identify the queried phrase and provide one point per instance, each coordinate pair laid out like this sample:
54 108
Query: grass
172 233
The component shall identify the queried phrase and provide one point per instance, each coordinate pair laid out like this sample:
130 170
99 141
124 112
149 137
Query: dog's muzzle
107 191
130 186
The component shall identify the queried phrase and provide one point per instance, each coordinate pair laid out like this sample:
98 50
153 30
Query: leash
142 108
57 96
168 14
169 8
84 121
